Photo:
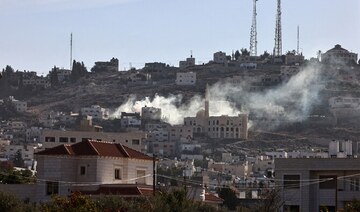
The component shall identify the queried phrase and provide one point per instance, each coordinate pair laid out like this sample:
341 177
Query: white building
96 112
27 151
338 55
341 149
185 78
20 106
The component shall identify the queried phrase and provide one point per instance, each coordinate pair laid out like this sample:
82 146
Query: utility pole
278 39
253 32
154 174
298 40
71 39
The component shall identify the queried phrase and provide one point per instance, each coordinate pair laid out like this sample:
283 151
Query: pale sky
35 34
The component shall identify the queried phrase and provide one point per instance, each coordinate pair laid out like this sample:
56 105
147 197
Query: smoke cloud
291 101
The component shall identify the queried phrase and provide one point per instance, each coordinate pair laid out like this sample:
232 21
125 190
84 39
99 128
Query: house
93 167
20 106
220 57
190 61
338 55
96 112
185 78
52 138
104 66
312 184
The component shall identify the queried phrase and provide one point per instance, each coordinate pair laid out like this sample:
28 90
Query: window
135 142
49 139
291 181
73 140
82 170
117 174
354 184
63 139
140 175
52 188
291 208
327 181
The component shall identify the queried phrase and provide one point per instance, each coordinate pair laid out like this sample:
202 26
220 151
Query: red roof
209 197
96 148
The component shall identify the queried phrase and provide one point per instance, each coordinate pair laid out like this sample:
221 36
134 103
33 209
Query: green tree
53 77
10 203
353 206
244 52
237 55
18 160
229 197
78 70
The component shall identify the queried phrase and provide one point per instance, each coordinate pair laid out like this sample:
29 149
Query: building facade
135 140
338 55
317 184
185 78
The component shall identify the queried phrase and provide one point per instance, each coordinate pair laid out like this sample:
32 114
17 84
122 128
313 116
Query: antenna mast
71 38
278 41
298 40
253 32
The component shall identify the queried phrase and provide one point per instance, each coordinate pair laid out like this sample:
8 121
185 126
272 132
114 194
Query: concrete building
96 112
338 55
292 59
229 127
344 149
220 57
185 78
150 113
92 167
130 120
111 66
190 61
343 107
20 106
27 152
62 74
52 138
315 184
36 81
286 72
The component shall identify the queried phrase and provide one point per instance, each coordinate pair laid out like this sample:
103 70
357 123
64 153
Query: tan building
91 167
52 138
230 127
338 55
315 184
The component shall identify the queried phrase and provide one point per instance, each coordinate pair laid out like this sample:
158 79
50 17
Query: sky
35 34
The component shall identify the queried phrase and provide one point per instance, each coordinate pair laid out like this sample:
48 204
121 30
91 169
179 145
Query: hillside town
237 122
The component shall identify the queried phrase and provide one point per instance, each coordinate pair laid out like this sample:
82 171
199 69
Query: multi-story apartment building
309 184
220 57
190 61
20 106
95 111
135 139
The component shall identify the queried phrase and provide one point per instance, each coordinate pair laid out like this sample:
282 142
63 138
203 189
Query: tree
244 52
53 76
352 206
229 197
265 55
78 70
271 201
18 160
237 55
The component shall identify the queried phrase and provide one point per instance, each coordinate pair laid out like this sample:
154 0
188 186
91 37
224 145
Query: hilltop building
111 66
187 78
338 55
190 61
224 126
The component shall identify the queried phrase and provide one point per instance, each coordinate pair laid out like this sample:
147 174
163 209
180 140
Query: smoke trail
289 102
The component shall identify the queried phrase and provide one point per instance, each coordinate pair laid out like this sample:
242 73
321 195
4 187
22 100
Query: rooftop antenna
71 39
298 38
191 53
278 40
253 32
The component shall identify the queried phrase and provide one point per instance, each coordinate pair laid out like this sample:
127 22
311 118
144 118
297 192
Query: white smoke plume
290 102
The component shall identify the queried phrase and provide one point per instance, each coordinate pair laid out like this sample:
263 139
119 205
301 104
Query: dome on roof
200 113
